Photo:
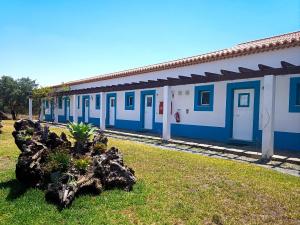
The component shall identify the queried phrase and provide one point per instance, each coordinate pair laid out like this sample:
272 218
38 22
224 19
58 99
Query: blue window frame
60 102
47 104
129 100
204 98
98 101
78 102
244 100
294 101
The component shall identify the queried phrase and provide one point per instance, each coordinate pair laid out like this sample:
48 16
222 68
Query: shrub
82 164
58 160
81 132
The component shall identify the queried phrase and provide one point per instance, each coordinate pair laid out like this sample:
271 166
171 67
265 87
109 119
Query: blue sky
56 41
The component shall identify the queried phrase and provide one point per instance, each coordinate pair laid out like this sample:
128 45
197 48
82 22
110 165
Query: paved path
291 167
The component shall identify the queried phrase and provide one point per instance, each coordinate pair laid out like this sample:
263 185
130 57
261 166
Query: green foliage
42 92
14 94
81 132
100 148
169 184
82 164
58 160
30 130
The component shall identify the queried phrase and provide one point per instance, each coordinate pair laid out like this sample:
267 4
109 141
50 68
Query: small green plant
58 160
82 164
100 148
30 131
25 137
81 132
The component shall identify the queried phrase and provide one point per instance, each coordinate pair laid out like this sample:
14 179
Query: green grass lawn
172 188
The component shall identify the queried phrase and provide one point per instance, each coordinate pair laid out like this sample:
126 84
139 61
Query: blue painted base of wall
200 132
92 120
48 118
287 141
284 141
137 126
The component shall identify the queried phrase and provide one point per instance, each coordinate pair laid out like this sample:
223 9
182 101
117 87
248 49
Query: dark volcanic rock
49 161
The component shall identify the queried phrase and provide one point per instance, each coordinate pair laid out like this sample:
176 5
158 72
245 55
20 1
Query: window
244 100
97 101
78 102
129 100
60 102
294 101
203 99
149 102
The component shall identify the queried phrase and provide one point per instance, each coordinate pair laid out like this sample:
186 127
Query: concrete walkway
284 164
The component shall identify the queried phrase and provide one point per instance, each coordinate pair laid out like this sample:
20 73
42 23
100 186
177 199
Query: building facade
249 93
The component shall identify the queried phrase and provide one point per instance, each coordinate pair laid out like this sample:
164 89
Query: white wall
184 103
271 58
284 120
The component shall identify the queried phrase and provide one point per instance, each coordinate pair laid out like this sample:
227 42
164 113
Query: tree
38 94
14 94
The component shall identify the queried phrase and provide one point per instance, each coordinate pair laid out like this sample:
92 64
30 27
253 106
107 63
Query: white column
74 109
167 113
30 108
42 111
55 110
268 117
102 110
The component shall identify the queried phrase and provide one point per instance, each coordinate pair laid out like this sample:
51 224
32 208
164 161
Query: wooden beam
245 70
184 77
285 64
229 73
264 67
211 74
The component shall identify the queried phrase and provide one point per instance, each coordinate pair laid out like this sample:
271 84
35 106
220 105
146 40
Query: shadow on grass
16 189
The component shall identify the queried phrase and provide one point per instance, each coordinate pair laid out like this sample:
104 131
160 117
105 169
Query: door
86 110
112 111
67 110
243 112
148 118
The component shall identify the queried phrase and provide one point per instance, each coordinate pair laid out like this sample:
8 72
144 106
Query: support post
56 110
42 111
74 109
268 117
30 108
102 110
167 113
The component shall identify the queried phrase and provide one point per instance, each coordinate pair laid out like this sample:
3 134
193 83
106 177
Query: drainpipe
268 117
102 110
167 113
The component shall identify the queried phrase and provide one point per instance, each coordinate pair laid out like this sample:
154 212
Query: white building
249 93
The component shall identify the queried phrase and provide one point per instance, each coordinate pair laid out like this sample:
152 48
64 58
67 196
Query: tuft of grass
172 188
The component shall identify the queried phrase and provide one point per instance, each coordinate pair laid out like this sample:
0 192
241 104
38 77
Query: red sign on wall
161 108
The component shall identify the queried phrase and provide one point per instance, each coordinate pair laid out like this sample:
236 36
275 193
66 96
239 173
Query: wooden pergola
244 73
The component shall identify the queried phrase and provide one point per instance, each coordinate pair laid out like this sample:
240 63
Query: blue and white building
248 93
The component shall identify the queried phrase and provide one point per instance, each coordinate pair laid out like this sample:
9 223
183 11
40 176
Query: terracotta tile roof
247 48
